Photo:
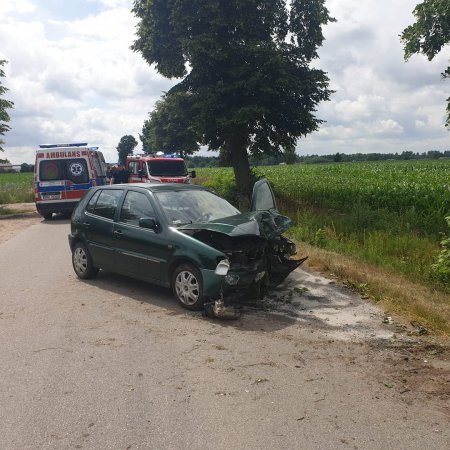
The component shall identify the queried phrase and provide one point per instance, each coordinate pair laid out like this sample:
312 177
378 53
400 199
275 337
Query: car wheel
82 262
47 216
187 285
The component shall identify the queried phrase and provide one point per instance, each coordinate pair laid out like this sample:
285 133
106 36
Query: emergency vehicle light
81 144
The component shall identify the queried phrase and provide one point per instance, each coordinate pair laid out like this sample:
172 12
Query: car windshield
167 168
188 206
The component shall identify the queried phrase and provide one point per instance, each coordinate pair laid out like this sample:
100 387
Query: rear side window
106 204
91 205
99 168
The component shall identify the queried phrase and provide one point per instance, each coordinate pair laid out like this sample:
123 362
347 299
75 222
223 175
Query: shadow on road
315 309
252 317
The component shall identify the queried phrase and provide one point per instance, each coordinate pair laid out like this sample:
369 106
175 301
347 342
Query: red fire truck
158 168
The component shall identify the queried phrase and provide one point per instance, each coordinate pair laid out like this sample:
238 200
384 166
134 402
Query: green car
184 237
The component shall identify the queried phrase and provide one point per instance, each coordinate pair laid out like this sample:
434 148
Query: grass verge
7 211
16 188
10 210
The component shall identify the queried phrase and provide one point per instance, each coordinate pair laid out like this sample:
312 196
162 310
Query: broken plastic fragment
219 310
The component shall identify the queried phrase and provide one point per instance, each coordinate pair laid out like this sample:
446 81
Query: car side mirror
193 174
148 222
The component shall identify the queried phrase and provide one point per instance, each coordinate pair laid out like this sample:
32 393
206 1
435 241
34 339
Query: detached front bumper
250 279
236 280
212 283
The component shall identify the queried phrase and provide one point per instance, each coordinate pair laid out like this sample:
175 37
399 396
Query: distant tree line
218 161
24 167
342 157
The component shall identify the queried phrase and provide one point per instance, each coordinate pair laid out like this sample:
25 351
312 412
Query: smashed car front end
257 255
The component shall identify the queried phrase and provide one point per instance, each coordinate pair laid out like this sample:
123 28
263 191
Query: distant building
8 167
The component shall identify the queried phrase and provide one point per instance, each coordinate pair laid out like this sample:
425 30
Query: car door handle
117 233
86 224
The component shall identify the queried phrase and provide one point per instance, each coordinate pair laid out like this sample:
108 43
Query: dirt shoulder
397 355
24 216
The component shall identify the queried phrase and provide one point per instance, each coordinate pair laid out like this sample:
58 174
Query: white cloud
73 80
377 92
16 6
114 3
72 76
386 127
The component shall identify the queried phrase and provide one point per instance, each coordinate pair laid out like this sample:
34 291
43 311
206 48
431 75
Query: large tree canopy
429 34
4 105
125 147
246 67
169 128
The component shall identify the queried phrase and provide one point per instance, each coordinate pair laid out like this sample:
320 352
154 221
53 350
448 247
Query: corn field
417 192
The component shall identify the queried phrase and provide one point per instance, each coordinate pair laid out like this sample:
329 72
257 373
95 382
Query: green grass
415 193
390 214
16 188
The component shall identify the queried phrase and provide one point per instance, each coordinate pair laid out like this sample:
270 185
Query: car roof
157 187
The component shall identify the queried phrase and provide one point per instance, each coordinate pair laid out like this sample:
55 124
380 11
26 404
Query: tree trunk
237 148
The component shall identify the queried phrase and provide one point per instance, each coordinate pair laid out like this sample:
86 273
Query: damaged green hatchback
184 237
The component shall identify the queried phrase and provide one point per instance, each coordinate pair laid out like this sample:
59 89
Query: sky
73 78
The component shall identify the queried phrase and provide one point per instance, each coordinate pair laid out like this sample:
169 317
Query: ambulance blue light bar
80 144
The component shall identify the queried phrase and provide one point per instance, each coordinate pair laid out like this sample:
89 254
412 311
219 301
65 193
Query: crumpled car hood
257 223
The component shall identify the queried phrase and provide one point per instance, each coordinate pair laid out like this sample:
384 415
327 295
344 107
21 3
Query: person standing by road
120 175
125 175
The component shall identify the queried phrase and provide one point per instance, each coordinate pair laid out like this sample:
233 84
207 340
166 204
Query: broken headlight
223 267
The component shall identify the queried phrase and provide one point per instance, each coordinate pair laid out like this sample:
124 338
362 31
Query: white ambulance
63 173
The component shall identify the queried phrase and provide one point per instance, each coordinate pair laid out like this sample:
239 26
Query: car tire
187 286
82 262
47 216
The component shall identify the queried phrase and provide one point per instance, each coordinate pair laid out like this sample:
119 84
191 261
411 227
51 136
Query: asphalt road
116 364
